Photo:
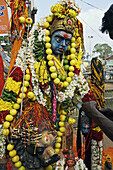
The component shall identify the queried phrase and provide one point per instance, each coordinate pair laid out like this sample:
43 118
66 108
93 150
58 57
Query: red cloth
98 136
3 114
88 97
1 75
9 166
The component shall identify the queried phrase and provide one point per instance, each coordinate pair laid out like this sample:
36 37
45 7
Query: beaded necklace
67 64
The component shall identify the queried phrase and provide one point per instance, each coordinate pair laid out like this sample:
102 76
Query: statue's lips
60 49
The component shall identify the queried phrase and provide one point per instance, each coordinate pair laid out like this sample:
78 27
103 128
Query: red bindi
65 35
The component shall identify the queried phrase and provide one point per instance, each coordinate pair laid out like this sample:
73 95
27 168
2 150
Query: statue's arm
106 124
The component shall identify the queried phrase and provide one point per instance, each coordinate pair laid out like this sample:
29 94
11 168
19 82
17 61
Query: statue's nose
63 43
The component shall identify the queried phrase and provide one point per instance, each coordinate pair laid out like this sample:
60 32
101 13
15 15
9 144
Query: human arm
107 112
90 109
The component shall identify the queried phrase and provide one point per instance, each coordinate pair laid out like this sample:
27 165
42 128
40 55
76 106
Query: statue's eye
58 39
67 42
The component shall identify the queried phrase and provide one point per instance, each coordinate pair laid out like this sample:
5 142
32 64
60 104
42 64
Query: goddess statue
37 96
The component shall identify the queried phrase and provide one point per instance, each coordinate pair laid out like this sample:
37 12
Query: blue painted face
60 41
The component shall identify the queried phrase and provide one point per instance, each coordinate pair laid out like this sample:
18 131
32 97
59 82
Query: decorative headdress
66 24
64 17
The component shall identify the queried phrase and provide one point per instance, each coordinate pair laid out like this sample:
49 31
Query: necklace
62 76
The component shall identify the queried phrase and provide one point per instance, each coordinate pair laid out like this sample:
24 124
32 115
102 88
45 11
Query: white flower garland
78 82
97 149
36 89
26 53
79 164
2 142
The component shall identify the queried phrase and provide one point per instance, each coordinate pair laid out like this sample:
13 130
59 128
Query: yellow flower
61 16
41 71
97 129
36 64
4 105
80 52
12 85
72 13
57 8
78 64
76 34
60 11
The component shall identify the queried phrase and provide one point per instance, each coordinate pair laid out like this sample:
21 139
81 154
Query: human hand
89 107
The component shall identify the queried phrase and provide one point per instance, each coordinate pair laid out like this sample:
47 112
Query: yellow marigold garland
4 105
41 70
12 85
61 11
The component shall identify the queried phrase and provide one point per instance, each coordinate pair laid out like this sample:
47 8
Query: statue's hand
107 112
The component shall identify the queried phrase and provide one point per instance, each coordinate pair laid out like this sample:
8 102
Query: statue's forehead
63 34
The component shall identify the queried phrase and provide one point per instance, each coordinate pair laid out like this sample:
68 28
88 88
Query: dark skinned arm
90 109
107 112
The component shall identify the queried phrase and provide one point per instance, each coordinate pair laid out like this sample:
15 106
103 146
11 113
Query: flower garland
21 56
4 105
96 154
61 11
78 83
12 85
79 164
13 111
2 142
